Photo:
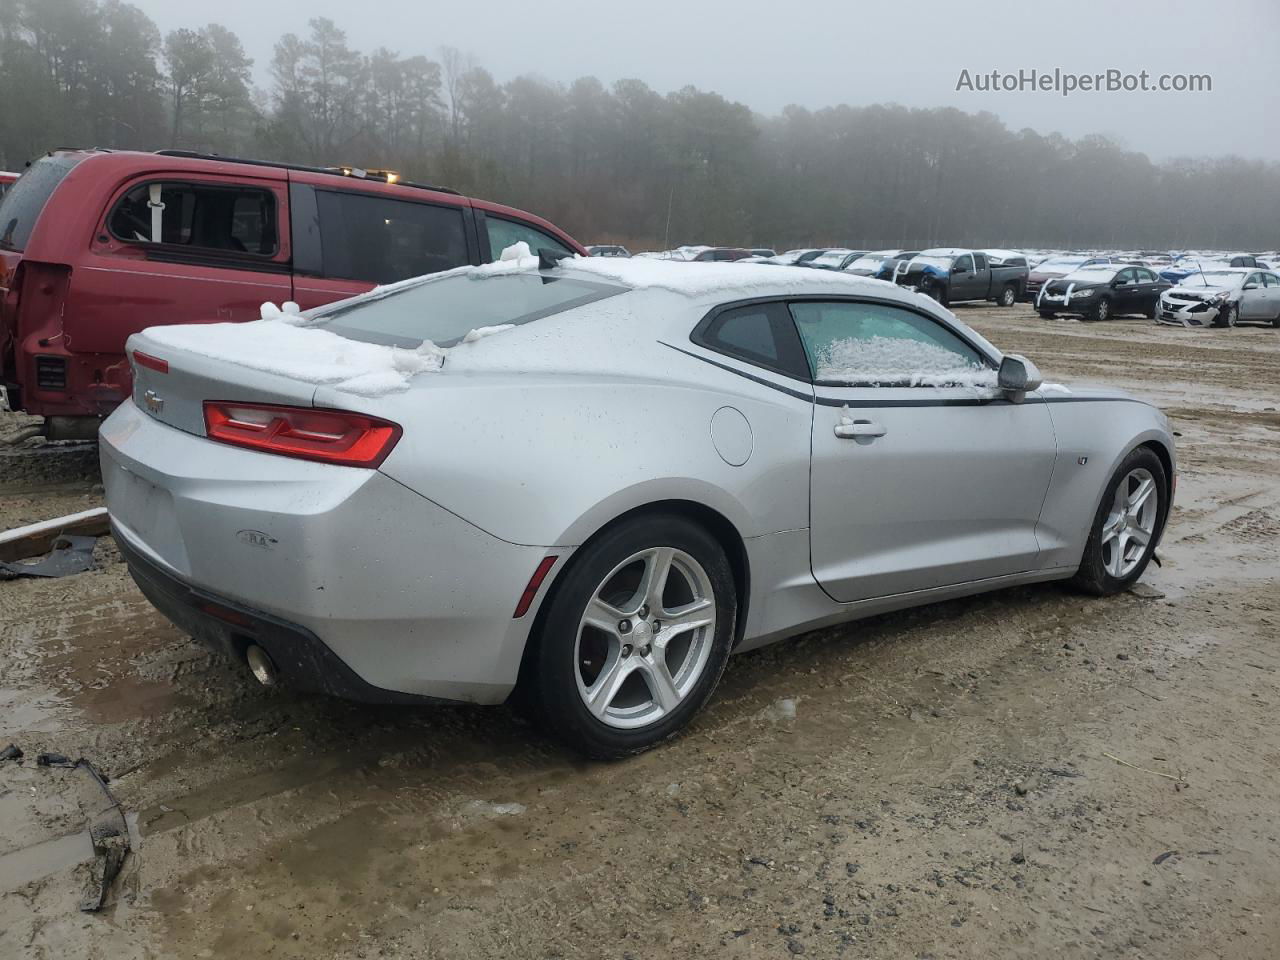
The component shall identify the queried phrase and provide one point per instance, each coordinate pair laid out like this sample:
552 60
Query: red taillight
535 582
150 362
331 436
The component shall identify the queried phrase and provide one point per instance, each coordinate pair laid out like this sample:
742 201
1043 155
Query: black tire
550 684
1228 316
1150 312
1008 296
1092 577
1101 309
935 291
1048 315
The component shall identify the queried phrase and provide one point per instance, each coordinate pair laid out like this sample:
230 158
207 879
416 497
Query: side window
980 261
198 216
503 233
964 263
1271 280
1125 276
872 344
758 333
1146 276
381 240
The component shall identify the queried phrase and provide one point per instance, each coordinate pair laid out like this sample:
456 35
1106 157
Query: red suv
96 245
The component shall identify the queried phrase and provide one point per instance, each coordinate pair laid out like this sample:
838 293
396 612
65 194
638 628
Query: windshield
929 260
1212 278
867 263
445 308
1092 275
832 258
26 198
1060 264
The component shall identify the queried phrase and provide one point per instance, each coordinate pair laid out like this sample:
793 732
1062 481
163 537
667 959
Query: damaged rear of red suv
96 245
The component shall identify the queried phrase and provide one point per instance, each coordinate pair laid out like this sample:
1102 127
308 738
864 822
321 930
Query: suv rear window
198 216
26 198
381 240
445 309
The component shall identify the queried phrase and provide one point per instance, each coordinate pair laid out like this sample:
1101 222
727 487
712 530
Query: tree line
622 163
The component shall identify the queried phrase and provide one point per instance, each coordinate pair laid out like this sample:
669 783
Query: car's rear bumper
405 595
301 658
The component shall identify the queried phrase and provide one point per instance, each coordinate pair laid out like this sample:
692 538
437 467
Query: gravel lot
1027 773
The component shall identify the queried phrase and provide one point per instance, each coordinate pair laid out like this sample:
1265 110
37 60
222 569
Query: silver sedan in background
586 483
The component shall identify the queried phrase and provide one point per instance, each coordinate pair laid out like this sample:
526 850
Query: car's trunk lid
172 384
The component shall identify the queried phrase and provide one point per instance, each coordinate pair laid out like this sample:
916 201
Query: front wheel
1228 316
1125 528
1102 309
1008 296
1048 315
637 635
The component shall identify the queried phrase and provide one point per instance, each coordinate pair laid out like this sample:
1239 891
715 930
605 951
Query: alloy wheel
645 638
1130 523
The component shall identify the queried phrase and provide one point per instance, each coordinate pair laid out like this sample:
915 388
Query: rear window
382 240
445 309
26 198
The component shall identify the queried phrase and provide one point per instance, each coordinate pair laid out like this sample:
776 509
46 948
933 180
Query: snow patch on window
892 360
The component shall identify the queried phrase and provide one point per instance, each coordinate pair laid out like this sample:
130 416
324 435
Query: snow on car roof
706 279
945 252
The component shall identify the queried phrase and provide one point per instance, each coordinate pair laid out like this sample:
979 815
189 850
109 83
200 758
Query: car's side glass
1271 280
761 334
504 233
848 343
965 263
197 216
1125 276
379 239
979 261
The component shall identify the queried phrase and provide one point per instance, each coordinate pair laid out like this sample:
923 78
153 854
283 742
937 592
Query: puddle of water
40 860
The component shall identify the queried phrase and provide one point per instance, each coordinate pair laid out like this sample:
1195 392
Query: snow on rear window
891 360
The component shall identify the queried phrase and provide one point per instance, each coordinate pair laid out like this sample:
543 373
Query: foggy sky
770 54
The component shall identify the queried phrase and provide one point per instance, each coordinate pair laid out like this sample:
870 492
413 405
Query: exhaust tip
260 665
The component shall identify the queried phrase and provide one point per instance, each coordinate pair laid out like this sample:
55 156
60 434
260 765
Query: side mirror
957 269
1251 286
1018 375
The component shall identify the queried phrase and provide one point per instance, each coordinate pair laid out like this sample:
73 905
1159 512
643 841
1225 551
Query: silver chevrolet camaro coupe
583 484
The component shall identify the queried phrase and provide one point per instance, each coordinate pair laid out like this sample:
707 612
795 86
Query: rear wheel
1008 296
637 635
1125 527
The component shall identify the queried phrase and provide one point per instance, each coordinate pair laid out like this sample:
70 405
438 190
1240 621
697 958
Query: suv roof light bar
385 176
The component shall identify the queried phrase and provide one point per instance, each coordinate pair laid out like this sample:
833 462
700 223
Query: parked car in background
1186 266
720 254
1056 266
607 250
836 258
1222 297
951 275
96 245
772 449
878 263
1102 291
762 252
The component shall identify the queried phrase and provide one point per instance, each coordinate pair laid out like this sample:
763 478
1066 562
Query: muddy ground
1029 773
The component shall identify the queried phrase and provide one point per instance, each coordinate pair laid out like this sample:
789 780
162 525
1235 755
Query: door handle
856 429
